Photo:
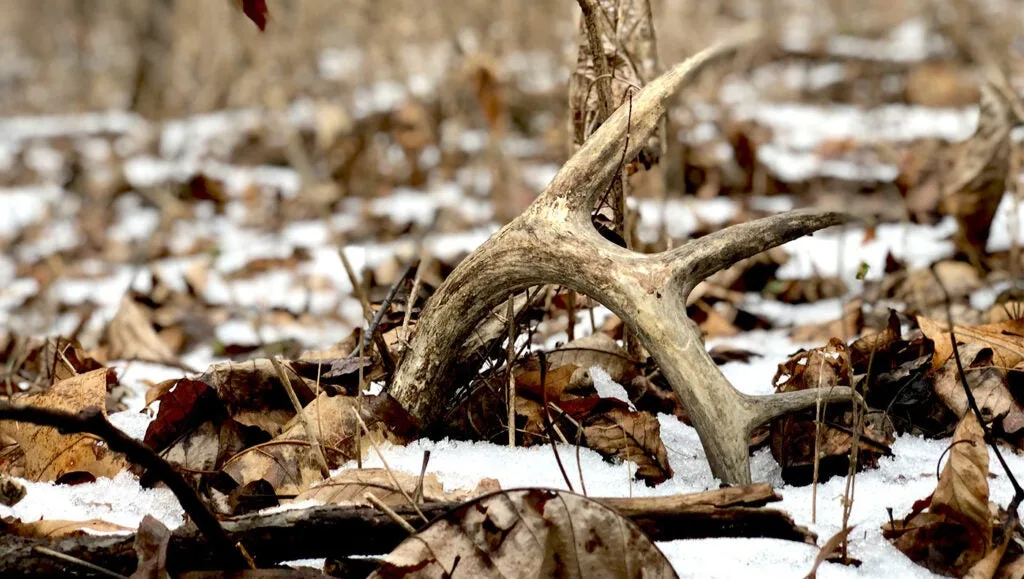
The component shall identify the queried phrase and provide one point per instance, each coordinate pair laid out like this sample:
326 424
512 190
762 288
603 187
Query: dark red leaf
256 10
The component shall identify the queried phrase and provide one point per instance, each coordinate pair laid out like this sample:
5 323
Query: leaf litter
268 291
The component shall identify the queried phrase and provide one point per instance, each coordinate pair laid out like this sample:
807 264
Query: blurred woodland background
166 58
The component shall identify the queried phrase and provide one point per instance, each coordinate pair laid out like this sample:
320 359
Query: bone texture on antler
554 242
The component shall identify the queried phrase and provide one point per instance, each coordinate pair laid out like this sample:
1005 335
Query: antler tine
765 408
554 242
587 173
700 258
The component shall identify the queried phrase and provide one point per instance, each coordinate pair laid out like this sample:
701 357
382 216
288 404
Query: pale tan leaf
1005 338
962 491
937 332
52 529
828 549
287 462
151 542
49 454
349 487
131 336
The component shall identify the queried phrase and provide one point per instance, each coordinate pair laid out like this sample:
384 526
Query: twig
373 500
314 438
858 416
357 288
579 438
417 281
76 561
92 421
510 401
423 472
391 473
817 446
368 315
378 317
1018 491
547 417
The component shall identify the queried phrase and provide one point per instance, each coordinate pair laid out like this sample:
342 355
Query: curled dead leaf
632 436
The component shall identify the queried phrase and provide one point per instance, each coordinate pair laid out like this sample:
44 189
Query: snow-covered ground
192 145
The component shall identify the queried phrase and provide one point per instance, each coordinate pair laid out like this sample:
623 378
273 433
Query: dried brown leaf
1005 338
962 491
633 436
528 533
955 532
557 381
350 487
131 336
978 179
287 462
987 383
151 542
596 350
50 455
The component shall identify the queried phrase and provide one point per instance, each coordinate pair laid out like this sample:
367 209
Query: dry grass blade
311 434
383 461
831 547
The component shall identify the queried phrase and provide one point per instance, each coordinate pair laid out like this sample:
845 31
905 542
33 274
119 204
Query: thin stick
590 9
316 396
391 473
1018 491
547 417
423 472
357 288
570 310
76 561
579 465
314 439
378 317
417 281
368 315
359 403
373 500
92 421
817 447
510 400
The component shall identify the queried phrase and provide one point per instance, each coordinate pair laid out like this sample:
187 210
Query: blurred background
171 148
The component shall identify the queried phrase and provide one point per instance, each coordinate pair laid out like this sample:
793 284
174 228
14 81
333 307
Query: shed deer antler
554 242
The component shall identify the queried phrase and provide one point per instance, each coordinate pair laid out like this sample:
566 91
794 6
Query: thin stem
312 435
1018 491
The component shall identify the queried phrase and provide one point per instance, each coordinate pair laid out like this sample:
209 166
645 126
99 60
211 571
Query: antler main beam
554 242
